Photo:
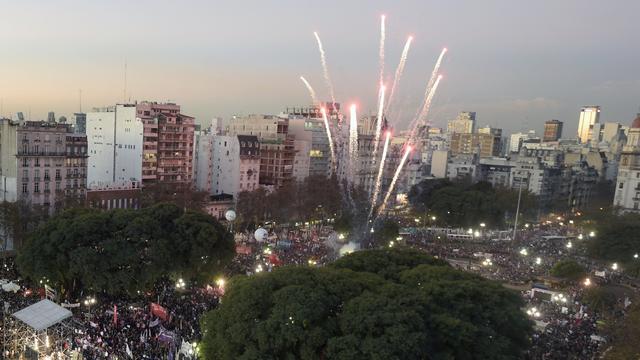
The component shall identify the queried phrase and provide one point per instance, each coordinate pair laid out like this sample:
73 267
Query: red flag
159 311
115 314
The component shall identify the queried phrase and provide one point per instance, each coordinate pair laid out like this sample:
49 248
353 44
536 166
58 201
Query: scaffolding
40 331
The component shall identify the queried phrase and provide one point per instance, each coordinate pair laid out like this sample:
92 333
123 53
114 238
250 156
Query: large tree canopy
374 304
617 237
466 204
125 251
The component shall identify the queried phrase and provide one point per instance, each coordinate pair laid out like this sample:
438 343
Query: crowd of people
164 322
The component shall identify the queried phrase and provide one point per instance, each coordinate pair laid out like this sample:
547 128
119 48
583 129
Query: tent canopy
42 314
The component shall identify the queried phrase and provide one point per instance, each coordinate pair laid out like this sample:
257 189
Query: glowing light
312 92
534 312
538 261
524 252
399 71
325 68
483 224
341 236
614 266
433 218
587 282
580 237
635 256
391 244
476 233
220 282
592 234
487 262
569 245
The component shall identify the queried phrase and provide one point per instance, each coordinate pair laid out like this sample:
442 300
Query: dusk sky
516 63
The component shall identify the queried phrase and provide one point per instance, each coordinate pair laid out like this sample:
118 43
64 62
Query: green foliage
465 204
386 231
124 251
624 342
377 304
600 298
315 198
617 237
568 269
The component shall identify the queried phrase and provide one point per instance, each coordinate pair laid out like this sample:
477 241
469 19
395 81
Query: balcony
40 153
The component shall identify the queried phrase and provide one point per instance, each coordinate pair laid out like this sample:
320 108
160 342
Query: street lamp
592 234
538 261
180 284
635 256
524 252
569 245
433 218
614 266
483 225
587 282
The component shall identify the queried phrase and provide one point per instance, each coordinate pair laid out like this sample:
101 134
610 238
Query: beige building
464 124
485 145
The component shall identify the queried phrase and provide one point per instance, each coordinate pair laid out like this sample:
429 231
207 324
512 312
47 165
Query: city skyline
515 73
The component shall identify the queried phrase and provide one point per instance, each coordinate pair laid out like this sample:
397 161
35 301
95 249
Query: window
57 185
621 185
25 188
57 174
36 187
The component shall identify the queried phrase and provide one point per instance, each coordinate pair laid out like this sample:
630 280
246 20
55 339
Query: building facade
237 164
51 164
552 130
464 124
589 116
627 195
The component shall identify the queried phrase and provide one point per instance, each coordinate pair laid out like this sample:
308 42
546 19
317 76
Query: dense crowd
113 328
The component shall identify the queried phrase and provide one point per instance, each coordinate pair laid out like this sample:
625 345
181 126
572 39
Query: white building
516 140
114 137
237 164
203 161
589 116
627 196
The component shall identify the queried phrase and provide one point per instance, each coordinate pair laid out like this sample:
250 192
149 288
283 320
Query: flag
159 311
129 353
115 314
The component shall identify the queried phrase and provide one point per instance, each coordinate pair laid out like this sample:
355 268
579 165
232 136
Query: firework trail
425 108
325 68
381 50
376 139
327 128
395 179
399 71
431 83
353 142
312 92
376 190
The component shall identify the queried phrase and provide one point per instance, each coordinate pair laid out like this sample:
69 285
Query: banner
67 305
159 311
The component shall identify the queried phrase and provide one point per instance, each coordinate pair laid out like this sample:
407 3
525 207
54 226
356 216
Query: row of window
36 187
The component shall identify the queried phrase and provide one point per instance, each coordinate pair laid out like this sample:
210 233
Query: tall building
552 130
168 143
307 124
589 115
203 160
517 139
51 117
485 145
51 163
464 124
115 137
237 164
277 147
80 123
8 162
627 196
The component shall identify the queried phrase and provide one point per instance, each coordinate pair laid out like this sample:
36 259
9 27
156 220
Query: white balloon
260 235
230 215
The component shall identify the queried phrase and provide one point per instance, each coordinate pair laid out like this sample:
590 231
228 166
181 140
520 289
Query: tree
600 299
617 237
124 251
568 269
465 204
380 304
